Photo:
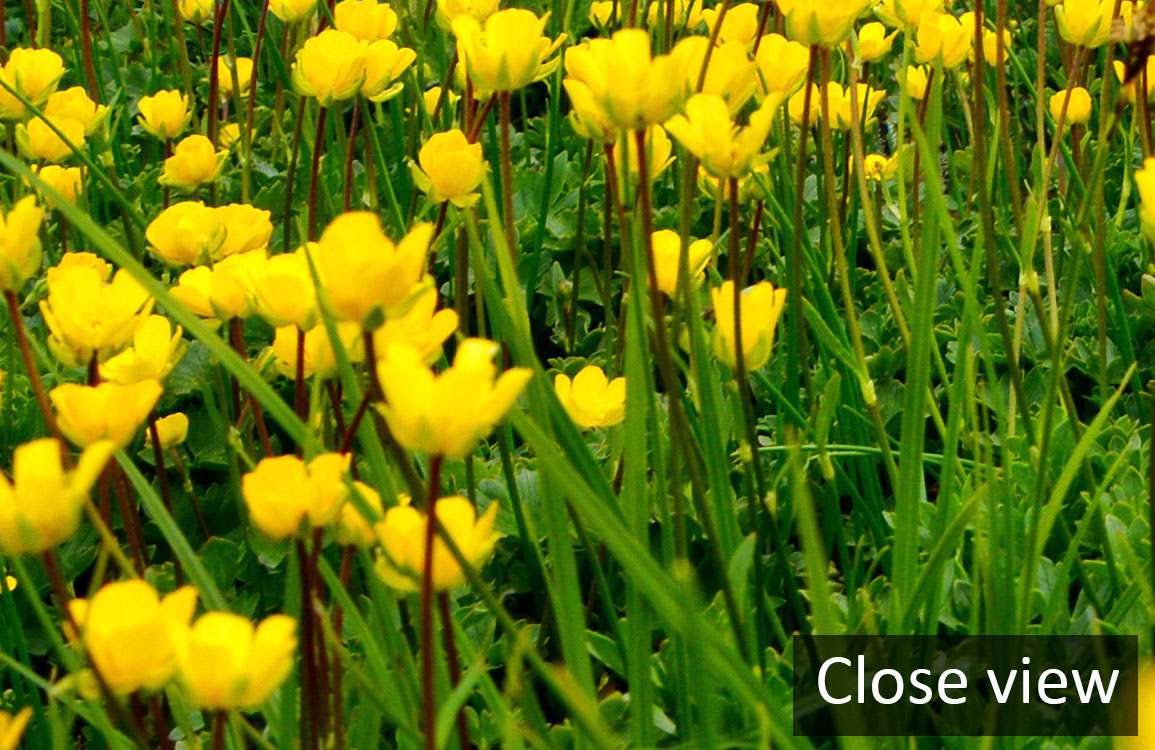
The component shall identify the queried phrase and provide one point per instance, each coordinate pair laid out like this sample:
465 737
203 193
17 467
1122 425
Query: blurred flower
873 42
73 103
172 430
602 13
906 12
292 11
229 135
1085 22
942 38
687 14
330 67
20 250
724 149
165 114
449 168
68 181
362 272
384 64
586 116
731 73
352 528
225 663
283 491
450 10
40 139
12 727
155 350
821 22
244 69
86 313
246 228
446 414
1129 92
402 535
590 399
658 150
223 291
193 163
1145 182
129 633
185 233
739 25
197 11
1078 107
840 103
110 411
782 64
877 167
796 107
365 19
667 257
917 81
507 50
41 506
760 306
631 88
34 73
433 95
421 326
285 292
319 356
990 39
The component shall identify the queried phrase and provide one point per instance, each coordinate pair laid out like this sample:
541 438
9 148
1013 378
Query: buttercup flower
478 10
165 114
942 38
1078 107
20 250
873 42
155 350
667 257
224 662
761 306
225 290
330 67
1145 182
283 491
820 22
319 356
687 14
1085 22
446 414
658 150
402 535
840 103
906 12
32 72
450 168
917 80
353 528
731 73
421 326
725 149
362 271
365 19
196 11
782 64
285 291
130 634
292 11
244 70
602 13
384 64
878 167
590 399
68 181
740 24
185 233
40 139
88 414
41 506
74 104
193 163
172 430
246 228
433 94
507 52
12 728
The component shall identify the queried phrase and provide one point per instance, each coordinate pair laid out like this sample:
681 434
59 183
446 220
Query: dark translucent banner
1025 686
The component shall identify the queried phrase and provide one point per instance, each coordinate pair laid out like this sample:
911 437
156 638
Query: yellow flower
1145 182
41 506
246 228
110 411
907 12
384 64
479 10
40 140
840 102
330 67
590 399
877 167
319 356
402 536
68 181
1078 107
917 80
740 24
155 350
1085 22
85 314
353 528
821 23
602 13
782 64
32 72
990 39
724 149
942 38
362 272
446 414
873 42
225 290
450 168
658 150
731 73
285 292
282 492
365 19
165 114
244 68
229 135
1130 91
1146 711
507 52
74 104
433 95
185 233
225 663
130 634
193 163
588 118
760 306
172 430
197 11
20 250
421 326
12 727
292 11
667 257
631 88
687 14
